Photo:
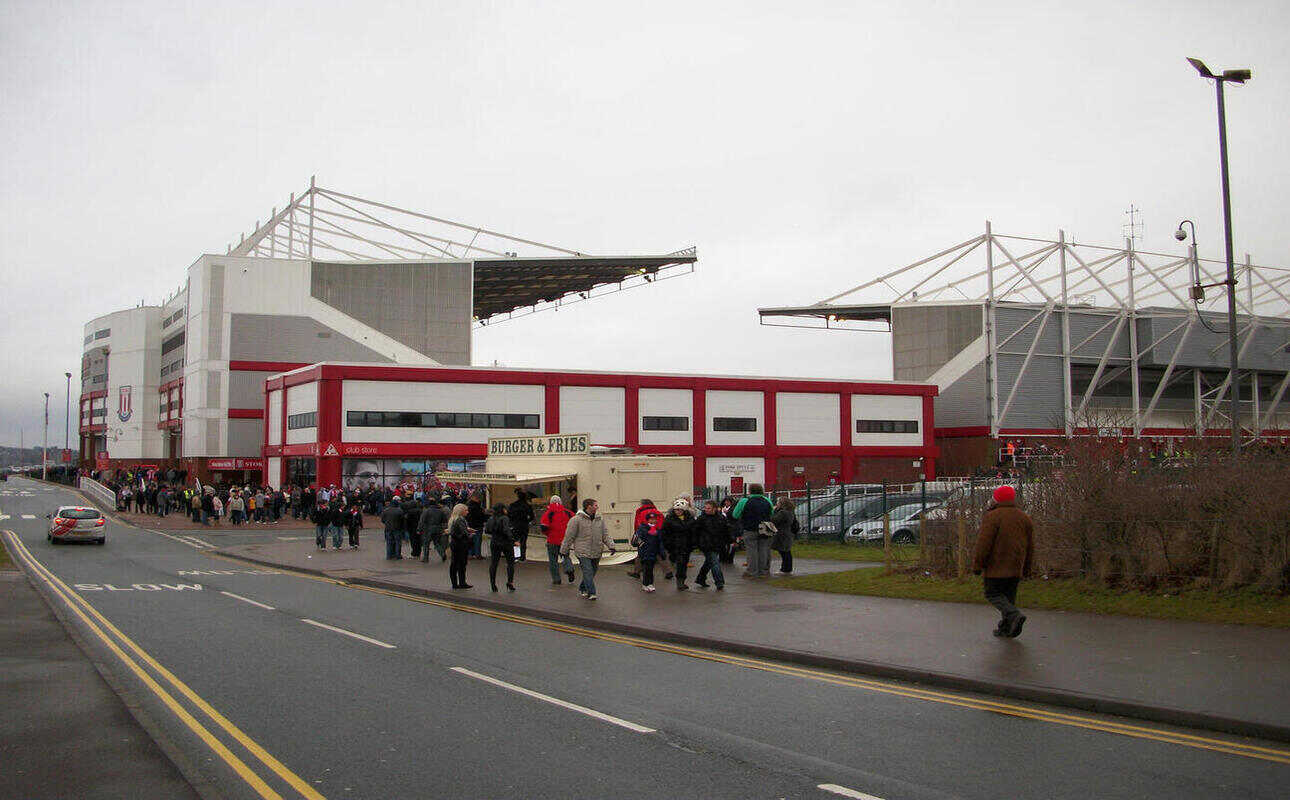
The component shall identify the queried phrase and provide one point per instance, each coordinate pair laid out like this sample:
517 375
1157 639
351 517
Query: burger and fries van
568 466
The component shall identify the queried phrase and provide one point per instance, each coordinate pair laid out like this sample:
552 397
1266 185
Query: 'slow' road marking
28 516
248 600
845 792
546 698
358 636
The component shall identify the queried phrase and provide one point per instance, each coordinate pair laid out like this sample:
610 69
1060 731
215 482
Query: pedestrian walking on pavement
411 523
753 513
338 521
648 541
501 544
678 539
642 511
354 523
1004 552
476 516
520 514
554 523
321 518
459 541
431 525
786 529
392 519
588 538
711 536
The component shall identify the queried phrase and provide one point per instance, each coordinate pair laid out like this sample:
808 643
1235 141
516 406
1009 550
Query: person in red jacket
554 521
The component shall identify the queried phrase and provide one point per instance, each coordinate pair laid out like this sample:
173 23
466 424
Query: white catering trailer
567 465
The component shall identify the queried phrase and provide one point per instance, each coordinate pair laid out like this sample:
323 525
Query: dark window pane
461 420
427 420
531 421
479 420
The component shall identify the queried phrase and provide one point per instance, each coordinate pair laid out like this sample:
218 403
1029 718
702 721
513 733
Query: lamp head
1200 67
1180 234
1237 75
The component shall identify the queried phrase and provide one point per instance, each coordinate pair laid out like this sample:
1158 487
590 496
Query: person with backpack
678 539
459 542
554 522
753 513
648 541
431 524
501 544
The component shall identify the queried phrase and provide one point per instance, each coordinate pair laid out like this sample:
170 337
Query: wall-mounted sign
555 444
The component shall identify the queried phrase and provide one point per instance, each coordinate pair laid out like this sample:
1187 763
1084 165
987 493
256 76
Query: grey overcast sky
803 147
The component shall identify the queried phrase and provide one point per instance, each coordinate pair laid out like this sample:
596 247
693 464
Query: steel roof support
1068 416
1101 364
1276 401
1169 370
1025 364
1134 378
992 353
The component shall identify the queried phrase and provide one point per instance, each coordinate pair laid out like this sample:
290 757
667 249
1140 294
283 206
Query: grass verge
837 551
1197 605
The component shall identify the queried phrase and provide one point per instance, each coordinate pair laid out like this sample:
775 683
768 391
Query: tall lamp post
67 422
44 451
1228 76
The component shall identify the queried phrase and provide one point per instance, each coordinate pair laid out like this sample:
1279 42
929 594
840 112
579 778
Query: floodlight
1200 67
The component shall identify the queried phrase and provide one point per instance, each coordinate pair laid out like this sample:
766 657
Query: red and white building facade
338 423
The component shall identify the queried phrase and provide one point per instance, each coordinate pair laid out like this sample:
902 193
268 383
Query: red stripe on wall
246 413
264 366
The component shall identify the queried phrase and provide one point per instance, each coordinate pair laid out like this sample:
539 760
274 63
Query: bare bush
1111 514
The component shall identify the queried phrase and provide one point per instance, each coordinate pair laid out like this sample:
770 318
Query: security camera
1180 235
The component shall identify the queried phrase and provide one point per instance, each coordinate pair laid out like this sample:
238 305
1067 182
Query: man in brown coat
1004 551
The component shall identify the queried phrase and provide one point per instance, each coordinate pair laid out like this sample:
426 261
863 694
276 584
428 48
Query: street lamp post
44 451
67 421
1228 76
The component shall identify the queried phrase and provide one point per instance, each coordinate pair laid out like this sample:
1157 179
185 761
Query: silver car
76 524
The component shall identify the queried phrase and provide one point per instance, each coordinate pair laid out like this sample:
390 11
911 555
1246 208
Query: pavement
1229 678
277 681
53 696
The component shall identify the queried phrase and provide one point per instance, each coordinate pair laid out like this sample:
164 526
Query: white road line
193 540
622 723
845 792
358 636
4 516
248 600
28 516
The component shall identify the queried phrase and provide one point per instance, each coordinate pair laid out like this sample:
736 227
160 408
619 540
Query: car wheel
902 537
101 541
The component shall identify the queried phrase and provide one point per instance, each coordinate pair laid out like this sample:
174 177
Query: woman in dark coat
786 528
459 542
501 544
678 538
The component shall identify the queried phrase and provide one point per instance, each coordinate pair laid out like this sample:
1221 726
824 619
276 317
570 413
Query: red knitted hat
1005 494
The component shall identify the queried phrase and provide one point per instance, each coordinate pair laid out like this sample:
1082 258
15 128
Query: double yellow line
119 643
1104 725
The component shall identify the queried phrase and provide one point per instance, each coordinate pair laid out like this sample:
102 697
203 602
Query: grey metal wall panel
1207 349
425 306
963 402
213 437
1084 324
245 437
215 313
1038 401
246 389
1011 320
923 339
273 337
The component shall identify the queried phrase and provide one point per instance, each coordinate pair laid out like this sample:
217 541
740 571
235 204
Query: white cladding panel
275 417
598 410
721 470
886 407
461 398
666 403
132 379
273 469
808 418
302 399
736 404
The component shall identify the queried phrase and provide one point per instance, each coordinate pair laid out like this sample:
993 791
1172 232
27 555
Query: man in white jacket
588 538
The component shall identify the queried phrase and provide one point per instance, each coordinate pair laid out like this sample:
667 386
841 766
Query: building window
440 419
89 338
665 423
103 334
99 379
734 423
170 344
173 318
309 419
886 426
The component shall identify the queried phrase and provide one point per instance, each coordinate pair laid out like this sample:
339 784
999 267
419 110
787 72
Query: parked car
76 523
860 508
905 522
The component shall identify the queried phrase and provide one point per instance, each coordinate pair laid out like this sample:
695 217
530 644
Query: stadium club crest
124 408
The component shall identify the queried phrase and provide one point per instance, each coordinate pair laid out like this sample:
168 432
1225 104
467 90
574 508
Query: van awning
503 477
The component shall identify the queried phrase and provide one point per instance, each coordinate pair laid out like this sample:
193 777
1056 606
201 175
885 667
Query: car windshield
79 513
